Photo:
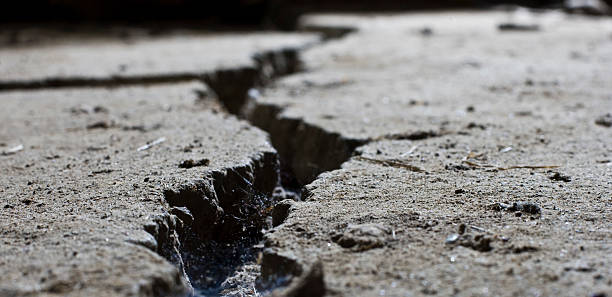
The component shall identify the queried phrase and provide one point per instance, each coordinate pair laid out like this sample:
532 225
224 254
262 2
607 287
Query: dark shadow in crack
218 268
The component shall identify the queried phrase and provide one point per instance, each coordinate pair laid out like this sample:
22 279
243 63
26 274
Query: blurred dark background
278 14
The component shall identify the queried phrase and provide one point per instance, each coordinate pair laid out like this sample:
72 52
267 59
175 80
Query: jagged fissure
214 228
217 241
218 223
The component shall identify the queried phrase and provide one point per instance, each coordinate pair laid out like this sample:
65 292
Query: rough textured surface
475 153
391 80
487 171
84 204
111 57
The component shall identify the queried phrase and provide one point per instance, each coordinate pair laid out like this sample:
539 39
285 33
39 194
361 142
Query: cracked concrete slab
483 170
388 80
114 58
85 201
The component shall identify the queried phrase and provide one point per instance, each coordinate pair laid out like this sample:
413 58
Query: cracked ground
464 153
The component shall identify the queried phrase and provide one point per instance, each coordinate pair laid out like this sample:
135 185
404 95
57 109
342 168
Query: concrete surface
390 80
85 202
486 170
439 155
111 57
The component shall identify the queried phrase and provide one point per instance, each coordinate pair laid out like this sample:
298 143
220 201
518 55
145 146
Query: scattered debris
13 150
452 238
523 113
560 177
100 109
101 171
506 149
580 266
27 201
151 144
142 128
100 125
461 229
457 167
86 109
410 151
521 249
480 242
254 93
604 120
469 160
191 163
523 207
473 125
95 148
418 135
392 163
426 31
518 27
362 237
528 167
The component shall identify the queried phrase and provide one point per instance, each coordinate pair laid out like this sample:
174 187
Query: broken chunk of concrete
121 222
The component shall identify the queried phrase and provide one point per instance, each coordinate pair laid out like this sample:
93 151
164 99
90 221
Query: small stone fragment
13 150
560 177
191 163
462 228
604 120
426 31
452 238
526 207
363 237
520 207
481 243
518 27
100 109
99 125
473 125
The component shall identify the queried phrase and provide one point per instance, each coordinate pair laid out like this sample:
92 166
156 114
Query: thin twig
392 163
153 143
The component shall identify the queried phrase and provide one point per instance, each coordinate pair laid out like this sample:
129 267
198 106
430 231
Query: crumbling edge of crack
293 138
307 149
213 195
